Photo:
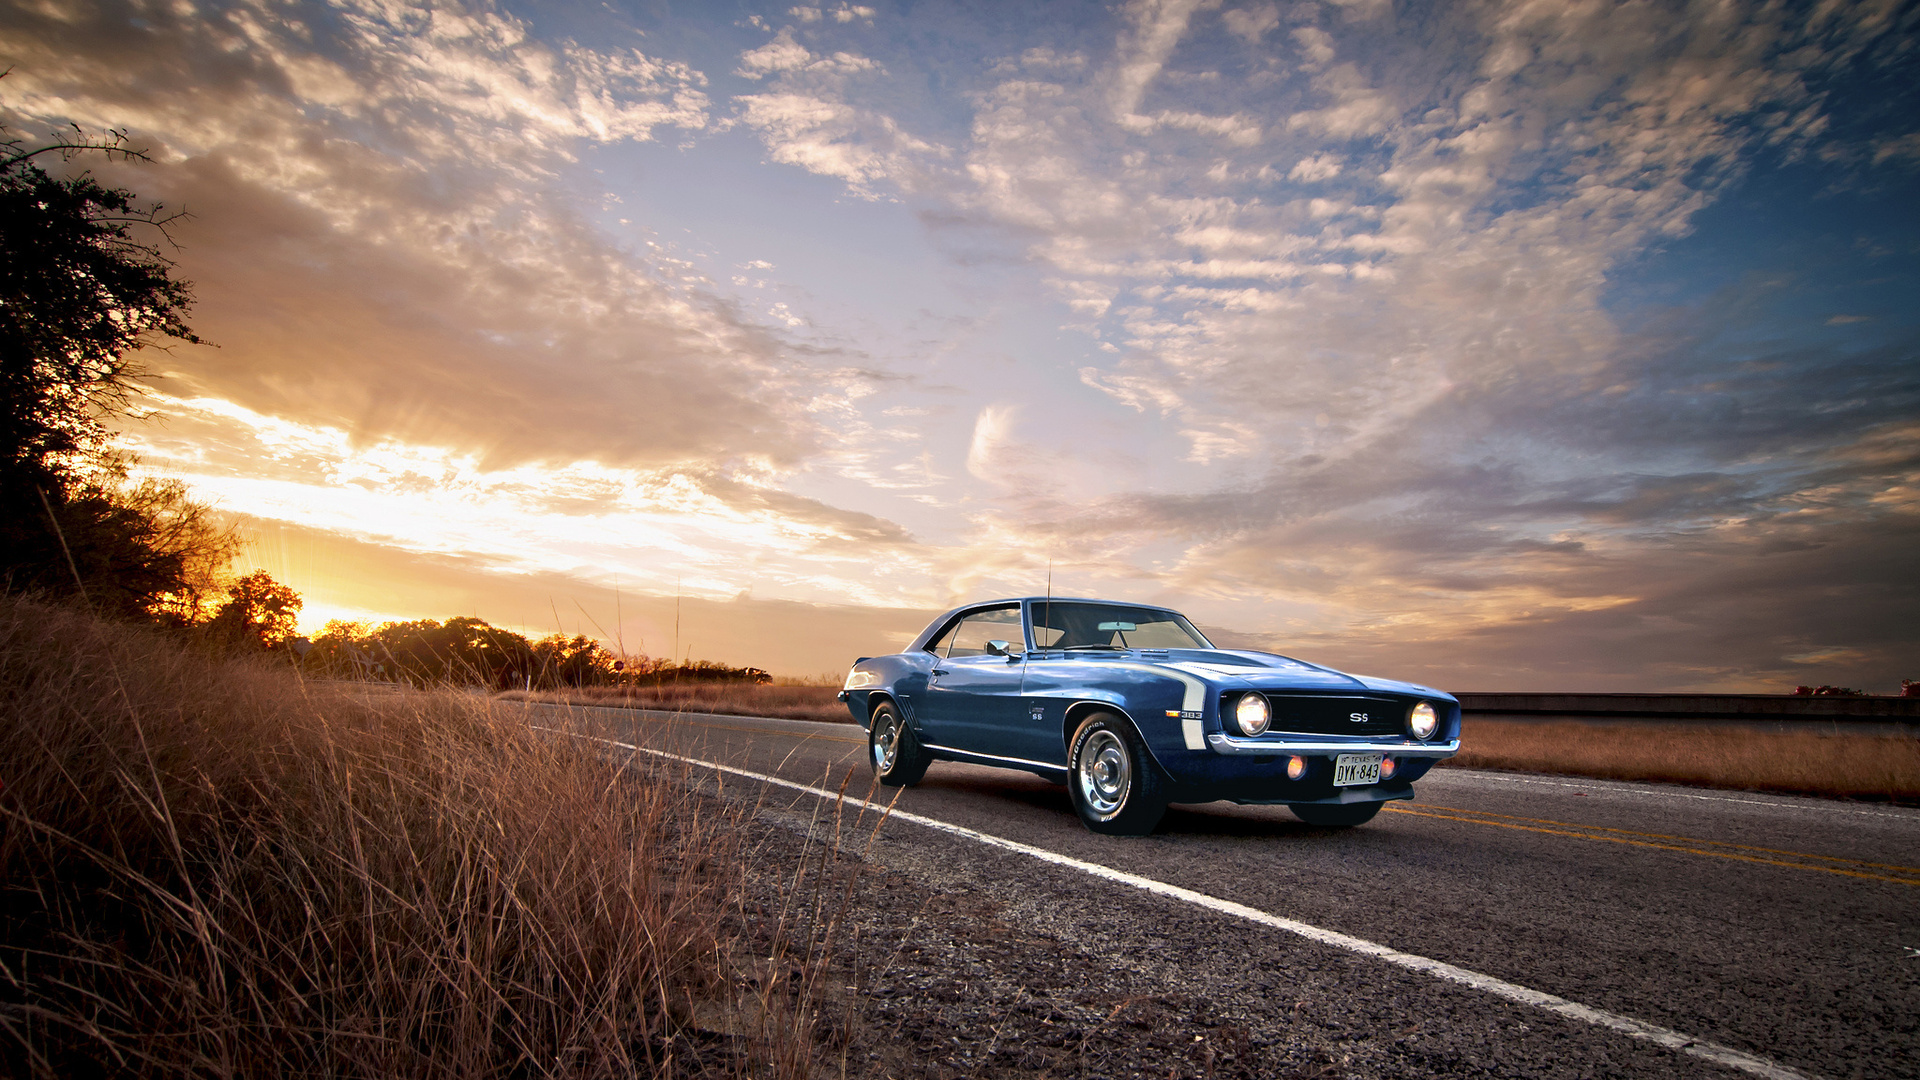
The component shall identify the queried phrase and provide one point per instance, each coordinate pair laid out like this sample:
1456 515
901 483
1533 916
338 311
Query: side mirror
1001 648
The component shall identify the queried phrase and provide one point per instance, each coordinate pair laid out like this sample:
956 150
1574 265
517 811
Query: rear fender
875 699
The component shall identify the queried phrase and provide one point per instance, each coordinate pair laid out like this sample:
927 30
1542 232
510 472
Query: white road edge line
1626 1025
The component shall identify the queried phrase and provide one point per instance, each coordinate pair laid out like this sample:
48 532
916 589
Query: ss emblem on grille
1358 717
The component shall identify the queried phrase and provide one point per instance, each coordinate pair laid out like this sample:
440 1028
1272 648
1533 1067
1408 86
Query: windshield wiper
1112 648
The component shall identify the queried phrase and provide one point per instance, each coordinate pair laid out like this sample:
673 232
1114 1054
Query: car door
973 695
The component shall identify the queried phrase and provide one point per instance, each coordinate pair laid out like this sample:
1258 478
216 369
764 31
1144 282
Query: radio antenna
1047 618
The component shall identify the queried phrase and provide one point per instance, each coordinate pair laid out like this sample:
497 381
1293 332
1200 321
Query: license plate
1352 770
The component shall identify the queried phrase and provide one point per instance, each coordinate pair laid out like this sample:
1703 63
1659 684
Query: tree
260 613
80 296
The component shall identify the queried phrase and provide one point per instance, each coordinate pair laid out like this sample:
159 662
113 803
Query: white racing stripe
1193 700
1573 1010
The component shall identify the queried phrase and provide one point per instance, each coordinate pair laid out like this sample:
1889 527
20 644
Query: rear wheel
1113 783
1337 816
892 750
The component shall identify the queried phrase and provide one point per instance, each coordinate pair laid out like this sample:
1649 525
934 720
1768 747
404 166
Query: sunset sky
1534 345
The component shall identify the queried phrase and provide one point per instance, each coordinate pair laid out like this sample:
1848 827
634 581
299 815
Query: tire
893 753
1341 816
1112 780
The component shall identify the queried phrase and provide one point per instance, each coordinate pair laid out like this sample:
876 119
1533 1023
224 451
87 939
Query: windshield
1068 625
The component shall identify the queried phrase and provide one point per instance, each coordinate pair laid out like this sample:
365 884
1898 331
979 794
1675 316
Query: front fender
1152 702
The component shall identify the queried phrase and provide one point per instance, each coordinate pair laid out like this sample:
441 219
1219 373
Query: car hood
1236 667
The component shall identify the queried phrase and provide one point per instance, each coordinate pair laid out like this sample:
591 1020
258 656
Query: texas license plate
1352 770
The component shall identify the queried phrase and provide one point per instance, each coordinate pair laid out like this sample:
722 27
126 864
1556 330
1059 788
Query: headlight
1252 715
1424 722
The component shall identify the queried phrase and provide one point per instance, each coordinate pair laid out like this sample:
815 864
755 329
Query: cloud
781 54
1315 168
827 136
344 578
810 116
992 438
784 54
1252 22
379 241
1347 354
1407 386
1156 27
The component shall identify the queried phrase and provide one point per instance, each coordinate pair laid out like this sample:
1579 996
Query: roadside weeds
1842 764
212 867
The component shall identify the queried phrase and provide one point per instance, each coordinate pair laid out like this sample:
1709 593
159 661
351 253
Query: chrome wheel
886 741
897 758
1115 786
1105 774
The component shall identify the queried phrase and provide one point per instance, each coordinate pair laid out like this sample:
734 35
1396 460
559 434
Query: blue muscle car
1132 708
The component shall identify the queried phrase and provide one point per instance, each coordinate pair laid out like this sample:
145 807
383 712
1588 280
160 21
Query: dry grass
1751 757
784 702
216 869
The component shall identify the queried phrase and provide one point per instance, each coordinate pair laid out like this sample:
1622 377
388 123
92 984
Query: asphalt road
1783 928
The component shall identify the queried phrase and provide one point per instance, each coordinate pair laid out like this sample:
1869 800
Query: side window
938 646
971 636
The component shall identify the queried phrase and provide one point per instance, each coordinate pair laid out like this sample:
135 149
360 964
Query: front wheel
892 750
1335 816
1113 783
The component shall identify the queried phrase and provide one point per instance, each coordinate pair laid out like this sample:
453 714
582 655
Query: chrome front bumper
1286 742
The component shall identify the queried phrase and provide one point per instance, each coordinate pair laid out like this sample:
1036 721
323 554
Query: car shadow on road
1195 819
1226 819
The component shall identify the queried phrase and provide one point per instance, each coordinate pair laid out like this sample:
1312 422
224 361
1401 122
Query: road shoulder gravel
974 963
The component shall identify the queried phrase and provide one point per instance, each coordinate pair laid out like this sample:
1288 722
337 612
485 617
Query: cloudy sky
1533 345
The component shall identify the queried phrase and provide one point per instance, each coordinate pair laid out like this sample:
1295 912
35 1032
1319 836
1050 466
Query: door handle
940 671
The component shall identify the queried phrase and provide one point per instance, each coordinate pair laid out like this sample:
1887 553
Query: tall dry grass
1738 756
213 868
777 700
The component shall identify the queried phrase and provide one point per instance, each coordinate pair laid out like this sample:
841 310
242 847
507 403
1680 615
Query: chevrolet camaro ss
1132 708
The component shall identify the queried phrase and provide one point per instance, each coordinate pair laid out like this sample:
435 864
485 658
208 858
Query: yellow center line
1680 839
1660 847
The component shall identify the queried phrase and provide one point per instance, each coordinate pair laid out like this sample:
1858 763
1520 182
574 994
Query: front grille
1328 714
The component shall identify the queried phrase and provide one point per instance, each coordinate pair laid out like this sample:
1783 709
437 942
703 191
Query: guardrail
1695 706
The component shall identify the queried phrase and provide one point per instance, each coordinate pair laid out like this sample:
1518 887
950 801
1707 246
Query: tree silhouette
260 613
80 295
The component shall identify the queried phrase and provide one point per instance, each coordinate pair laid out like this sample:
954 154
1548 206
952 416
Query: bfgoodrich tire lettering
893 752
1114 784
1340 816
